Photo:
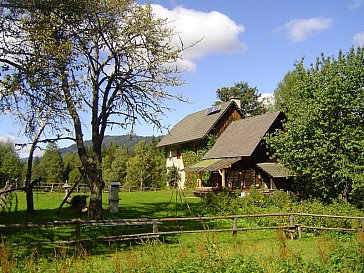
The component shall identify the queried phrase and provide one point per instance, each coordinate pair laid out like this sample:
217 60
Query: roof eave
180 143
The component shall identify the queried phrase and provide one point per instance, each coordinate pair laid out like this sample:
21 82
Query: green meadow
249 251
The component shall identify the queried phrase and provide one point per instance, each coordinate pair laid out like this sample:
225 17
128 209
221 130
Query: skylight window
213 110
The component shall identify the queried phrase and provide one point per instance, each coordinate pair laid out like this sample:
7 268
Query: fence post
78 238
235 226
155 227
291 228
299 230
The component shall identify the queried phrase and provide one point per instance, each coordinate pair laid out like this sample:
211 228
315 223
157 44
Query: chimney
237 102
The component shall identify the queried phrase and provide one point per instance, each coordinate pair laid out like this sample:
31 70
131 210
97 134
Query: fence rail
293 227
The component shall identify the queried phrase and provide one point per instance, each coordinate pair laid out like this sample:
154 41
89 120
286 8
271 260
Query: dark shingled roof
212 164
274 170
242 136
193 127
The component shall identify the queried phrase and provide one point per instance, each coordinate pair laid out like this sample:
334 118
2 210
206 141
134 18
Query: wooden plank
155 222
78 239
119 221
68 195
235 226
329 228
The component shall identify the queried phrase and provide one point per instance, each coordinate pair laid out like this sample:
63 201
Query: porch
239 174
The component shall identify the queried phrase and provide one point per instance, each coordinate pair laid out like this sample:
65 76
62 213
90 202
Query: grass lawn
250 251
153 204
158 204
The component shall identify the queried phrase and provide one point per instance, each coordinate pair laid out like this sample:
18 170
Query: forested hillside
135 162
129 141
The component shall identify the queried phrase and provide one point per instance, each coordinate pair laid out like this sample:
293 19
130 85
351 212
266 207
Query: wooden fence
293 227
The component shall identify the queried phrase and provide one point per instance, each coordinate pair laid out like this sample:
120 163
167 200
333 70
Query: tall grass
211 252
259 251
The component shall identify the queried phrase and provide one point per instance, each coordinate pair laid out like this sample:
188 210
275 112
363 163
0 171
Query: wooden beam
199 179
223 180
68 195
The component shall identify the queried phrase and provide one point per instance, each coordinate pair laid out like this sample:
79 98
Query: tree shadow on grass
149 210
157 210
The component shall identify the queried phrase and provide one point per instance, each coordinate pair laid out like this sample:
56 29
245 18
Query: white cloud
215 32
267 99
22 152
266 95
356 4
8 139
299 30
358 39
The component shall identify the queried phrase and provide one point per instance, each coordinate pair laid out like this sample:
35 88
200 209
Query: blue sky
256 41
269 37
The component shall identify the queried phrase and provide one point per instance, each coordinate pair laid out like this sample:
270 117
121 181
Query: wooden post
235 226
291 229
78 238
222 173
155 227
199 180
299 230
68 194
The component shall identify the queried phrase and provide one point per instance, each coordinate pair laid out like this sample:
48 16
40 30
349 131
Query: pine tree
52 164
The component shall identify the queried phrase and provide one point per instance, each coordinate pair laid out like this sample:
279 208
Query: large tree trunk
93 174
30 201
95 208
96 183
28 187
91 163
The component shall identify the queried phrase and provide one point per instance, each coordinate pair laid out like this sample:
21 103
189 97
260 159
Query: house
192 131
238 159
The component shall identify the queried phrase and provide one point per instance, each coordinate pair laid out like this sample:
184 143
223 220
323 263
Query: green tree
118 166
251 102
158 170
10 166
138 174
146 168
323 143
72 163
75 176
52 164
108 157
173 177
112 59
284 94
37 172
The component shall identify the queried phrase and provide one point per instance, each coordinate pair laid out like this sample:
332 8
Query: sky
256 41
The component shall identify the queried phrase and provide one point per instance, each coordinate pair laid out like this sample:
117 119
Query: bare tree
110 59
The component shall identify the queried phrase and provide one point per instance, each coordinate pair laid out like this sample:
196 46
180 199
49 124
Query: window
178 153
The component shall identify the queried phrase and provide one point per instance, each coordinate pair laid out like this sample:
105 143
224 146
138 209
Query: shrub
228 203
220 203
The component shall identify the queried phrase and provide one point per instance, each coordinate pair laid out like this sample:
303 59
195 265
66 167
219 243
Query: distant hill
127 140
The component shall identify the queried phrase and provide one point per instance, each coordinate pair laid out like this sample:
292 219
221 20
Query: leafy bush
228 203
9 202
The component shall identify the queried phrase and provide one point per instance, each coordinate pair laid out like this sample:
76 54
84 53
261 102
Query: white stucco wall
172 160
